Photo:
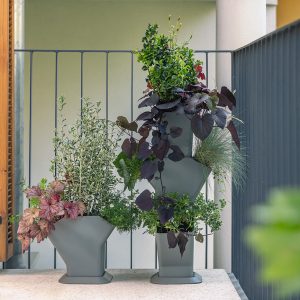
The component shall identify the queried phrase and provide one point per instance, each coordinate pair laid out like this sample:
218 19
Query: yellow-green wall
287 12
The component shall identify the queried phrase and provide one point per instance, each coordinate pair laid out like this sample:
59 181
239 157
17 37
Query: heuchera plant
173 85
47 206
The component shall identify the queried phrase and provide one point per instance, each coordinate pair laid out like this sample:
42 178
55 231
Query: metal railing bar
206 183
131 119
81 81
108 51
30 139
55 125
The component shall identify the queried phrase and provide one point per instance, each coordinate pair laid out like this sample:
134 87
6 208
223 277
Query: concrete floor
126 285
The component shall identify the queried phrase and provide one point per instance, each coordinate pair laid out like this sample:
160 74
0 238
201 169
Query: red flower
199 71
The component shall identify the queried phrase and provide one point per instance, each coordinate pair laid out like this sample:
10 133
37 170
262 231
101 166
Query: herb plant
186 215
85 154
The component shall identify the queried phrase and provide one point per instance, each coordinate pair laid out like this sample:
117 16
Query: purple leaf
168 105
165 214
160 166
146 115
172 240
175 132
144 131
197 87
144 151
129 147
202 126
182 241
149 100
155 137
234 134
226 98
161 149
220 117
144 201
148 169
177 154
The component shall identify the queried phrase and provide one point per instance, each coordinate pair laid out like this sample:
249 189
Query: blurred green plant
276 240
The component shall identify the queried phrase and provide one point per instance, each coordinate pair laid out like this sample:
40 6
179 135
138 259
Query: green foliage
276 239
168 64
85 154
186 216
128 169
219 153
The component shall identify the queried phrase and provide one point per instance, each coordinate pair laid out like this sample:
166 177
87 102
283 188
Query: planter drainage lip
156 279
105 278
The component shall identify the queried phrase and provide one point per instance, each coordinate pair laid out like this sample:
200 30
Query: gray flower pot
81 244
174 268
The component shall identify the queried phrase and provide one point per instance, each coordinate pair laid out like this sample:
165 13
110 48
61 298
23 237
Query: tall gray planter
174 268
184 177
81 244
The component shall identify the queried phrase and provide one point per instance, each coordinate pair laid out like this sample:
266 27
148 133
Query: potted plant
178 106
87 187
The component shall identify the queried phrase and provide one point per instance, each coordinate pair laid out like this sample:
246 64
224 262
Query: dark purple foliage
234 134
148 169
129 147
161 149
144 201
144 151
165 214
172 240
220 117
182 241
177 154
202 126
175 132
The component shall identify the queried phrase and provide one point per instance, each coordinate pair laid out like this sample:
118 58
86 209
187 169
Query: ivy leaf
168 105
149 100
220 117
226 98
165 214
123 122
148 169
144 151
234 134
199 237
129 147
144 201
182 241
177 154
161 149
202 126
146 115
175 131
144 131
172 240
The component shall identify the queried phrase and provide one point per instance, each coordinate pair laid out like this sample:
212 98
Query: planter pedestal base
196 278
105 278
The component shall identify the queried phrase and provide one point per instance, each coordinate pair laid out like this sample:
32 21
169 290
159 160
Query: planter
186 176
174 268
81 244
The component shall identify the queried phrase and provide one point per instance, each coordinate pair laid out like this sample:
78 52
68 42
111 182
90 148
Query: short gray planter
81 244
174 268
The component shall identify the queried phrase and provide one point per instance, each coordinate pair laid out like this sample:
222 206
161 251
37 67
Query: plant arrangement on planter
86 186
178 105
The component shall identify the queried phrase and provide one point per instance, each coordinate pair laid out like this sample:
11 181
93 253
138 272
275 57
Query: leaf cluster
168 64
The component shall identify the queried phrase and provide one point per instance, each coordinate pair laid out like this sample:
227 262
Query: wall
87 24
287 12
